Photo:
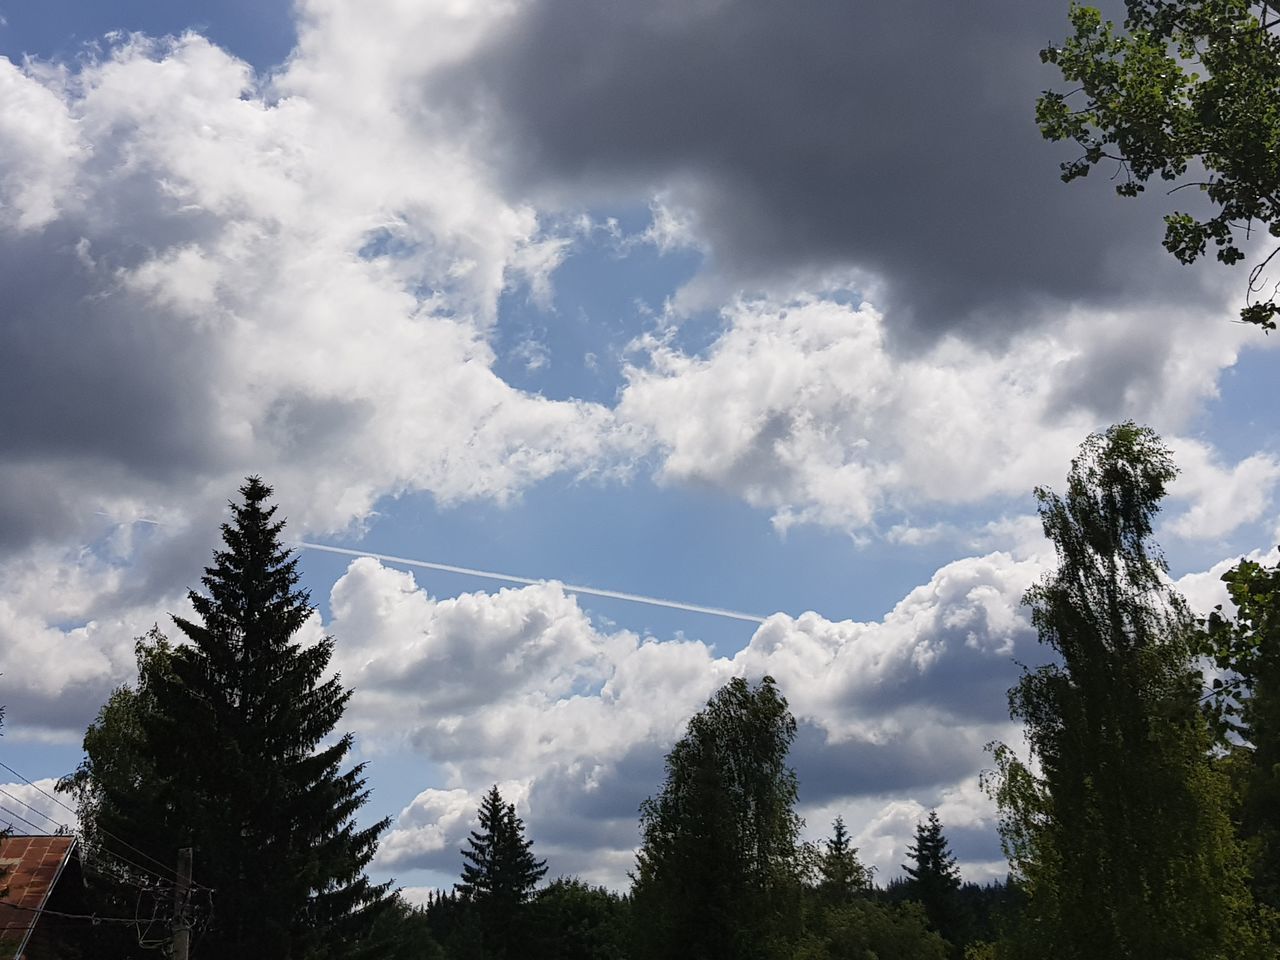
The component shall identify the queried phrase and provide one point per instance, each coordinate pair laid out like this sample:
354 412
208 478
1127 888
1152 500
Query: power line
93 917
61 826
34 826
167 877
527 581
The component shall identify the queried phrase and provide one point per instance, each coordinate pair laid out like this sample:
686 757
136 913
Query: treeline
1143 823
721 873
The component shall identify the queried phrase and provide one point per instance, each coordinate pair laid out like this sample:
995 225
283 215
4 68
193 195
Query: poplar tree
1122 836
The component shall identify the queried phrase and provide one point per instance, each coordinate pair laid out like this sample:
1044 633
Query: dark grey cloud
97 384
858 768
897 138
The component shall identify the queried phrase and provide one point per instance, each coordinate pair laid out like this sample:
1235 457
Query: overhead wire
34 826
37 810
169 876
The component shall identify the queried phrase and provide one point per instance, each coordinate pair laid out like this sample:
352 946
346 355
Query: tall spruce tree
718 873
226 745
841 875
932 877
1123 836
499 873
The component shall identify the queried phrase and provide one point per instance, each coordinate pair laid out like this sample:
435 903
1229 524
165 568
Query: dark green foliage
1123 837
718 874
499 874
841 875
402 932
570 920
1188 92
865 930
1245 706
932 878
225 746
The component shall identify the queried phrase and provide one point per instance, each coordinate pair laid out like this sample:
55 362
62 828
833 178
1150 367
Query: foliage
500 872
718 873
933 880
841 875
402 932
1189 92
1245 708
225 745
571 920
1123 836
864 930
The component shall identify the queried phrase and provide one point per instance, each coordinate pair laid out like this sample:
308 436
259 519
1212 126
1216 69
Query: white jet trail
569 587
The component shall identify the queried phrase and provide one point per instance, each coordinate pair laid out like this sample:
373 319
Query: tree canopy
717 875
1188 93
1123 836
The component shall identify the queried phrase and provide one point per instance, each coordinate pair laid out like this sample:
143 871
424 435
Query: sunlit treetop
1187 92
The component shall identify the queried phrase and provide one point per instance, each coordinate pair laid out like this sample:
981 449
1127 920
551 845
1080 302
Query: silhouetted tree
226 745
841 875
500 872
932 878
717 875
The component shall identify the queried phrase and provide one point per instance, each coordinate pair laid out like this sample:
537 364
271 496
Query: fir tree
932 877
841 875
500 872
225 746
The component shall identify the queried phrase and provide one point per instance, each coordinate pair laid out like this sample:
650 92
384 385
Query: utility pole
181 898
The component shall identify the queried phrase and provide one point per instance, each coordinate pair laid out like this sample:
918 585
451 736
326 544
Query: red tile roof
29 868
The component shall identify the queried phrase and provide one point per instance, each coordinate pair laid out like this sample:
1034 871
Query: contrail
569 587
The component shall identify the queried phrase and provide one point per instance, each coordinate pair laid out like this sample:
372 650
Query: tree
1245 706
574 921
500 872
1122 836
841 875
1188 92
717 874
864 930
402 932
933 880
226 745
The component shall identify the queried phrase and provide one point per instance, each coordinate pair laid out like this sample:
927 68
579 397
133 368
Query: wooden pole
181 896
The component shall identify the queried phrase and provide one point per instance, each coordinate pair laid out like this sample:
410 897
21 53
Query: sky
715 301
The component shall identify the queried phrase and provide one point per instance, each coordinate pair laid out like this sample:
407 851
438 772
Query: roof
29 869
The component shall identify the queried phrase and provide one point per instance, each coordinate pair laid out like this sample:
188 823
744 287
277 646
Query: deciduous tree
1122 833
717 875
1188 93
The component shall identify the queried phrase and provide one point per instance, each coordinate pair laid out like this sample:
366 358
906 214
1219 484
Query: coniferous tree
1122 838
932 877
841 875
226 745
500 872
